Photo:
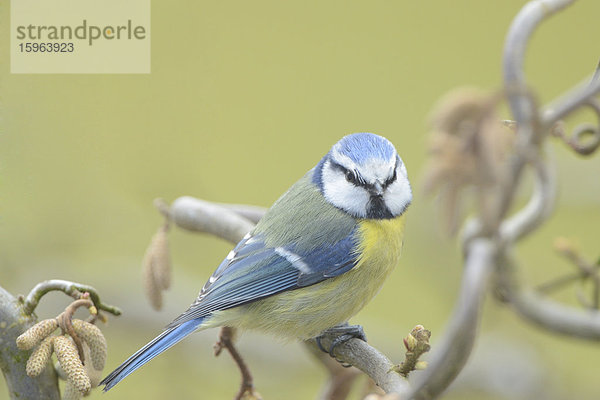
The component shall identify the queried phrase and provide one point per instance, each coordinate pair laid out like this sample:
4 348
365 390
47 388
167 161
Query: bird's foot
341 334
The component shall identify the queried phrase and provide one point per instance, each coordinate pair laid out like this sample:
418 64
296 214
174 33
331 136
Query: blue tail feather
159 344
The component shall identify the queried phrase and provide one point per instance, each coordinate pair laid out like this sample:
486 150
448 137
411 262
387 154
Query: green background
243 98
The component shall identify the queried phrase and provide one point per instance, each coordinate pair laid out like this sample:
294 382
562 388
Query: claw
343 333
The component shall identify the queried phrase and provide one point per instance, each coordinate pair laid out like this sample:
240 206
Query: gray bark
14 322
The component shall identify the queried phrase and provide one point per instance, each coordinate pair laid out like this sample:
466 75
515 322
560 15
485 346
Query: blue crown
361 147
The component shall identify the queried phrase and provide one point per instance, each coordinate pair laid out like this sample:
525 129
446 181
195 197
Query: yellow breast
381 242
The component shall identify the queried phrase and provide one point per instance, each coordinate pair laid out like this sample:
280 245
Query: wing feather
254 271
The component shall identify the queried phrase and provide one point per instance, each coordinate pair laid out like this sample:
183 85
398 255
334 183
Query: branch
531 125
546 313
538 208
66 324
203 216
73 289
417 344
251 213
340 379
570 101
226 342
520 100
578 141
450 355
13 361
368 359
517 39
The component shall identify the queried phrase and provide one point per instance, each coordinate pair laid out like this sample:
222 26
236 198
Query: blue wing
253 271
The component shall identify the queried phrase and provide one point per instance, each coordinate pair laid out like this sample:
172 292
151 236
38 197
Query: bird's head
364 176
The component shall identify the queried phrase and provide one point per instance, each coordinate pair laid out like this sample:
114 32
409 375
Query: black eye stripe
351 176
356 179
391 179
394 176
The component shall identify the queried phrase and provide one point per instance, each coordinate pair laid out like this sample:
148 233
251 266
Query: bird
320 253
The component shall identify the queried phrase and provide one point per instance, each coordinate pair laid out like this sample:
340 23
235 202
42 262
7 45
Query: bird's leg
340 334
226 338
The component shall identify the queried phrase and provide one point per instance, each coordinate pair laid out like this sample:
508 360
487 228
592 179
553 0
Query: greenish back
303 216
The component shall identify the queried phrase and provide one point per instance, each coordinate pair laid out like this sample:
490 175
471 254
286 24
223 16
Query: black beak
377 208
376 189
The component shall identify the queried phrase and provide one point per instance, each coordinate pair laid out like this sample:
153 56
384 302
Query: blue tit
319 254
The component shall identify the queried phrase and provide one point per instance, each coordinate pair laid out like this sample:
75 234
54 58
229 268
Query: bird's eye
351 177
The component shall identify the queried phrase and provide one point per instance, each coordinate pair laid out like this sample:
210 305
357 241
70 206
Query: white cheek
398 195
342 194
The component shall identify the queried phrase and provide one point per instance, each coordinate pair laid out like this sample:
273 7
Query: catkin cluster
468 147
157 267
80 378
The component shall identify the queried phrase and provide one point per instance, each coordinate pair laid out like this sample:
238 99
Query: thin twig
559 282
226 342
417 344
548 314
66 325
585 139
72 289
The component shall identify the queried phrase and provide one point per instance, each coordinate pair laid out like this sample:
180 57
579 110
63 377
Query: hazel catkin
93 336
151 287
161 258
70 392
32 336
39 358
68 357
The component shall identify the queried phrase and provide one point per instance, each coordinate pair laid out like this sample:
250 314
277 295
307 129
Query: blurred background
242 100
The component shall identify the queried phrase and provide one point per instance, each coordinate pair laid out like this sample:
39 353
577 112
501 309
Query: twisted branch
531 126
73 289
487 251
66 324
449 356
546 313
